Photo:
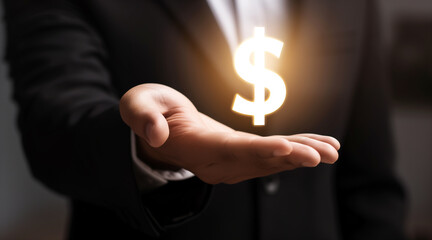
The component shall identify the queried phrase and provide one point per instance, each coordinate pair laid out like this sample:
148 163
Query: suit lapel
195 19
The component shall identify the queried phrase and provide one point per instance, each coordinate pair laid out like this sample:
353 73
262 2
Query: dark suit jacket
71 60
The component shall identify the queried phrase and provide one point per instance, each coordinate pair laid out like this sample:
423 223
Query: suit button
271 184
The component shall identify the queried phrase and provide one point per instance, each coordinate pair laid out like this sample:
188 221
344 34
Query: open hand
172 134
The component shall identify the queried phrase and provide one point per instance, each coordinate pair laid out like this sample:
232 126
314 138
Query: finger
303 156
266 147
258 147
330 140
328 153
300 156
270 140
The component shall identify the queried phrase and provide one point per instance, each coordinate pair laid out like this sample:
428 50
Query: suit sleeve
371 200
71 130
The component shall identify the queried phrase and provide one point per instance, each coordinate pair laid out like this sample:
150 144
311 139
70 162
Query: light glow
256 73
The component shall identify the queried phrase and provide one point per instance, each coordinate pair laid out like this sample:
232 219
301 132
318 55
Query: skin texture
172 134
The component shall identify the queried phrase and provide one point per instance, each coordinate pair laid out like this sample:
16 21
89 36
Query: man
72 61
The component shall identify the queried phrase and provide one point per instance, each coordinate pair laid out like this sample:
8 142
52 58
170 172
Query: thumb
155 129
139 110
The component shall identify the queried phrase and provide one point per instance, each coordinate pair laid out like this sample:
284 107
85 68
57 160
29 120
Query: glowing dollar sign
258 75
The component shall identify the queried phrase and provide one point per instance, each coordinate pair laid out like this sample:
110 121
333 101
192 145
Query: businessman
125 108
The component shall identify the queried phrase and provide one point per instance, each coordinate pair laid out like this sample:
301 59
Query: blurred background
29 211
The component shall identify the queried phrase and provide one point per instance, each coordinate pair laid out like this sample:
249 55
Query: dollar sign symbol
258 75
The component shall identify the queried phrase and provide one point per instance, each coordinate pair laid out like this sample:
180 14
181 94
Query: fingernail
280 153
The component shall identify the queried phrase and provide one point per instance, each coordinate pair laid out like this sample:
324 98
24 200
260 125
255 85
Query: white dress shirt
251 13
270 14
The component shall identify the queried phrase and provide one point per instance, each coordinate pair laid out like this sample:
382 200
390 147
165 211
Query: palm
183 137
